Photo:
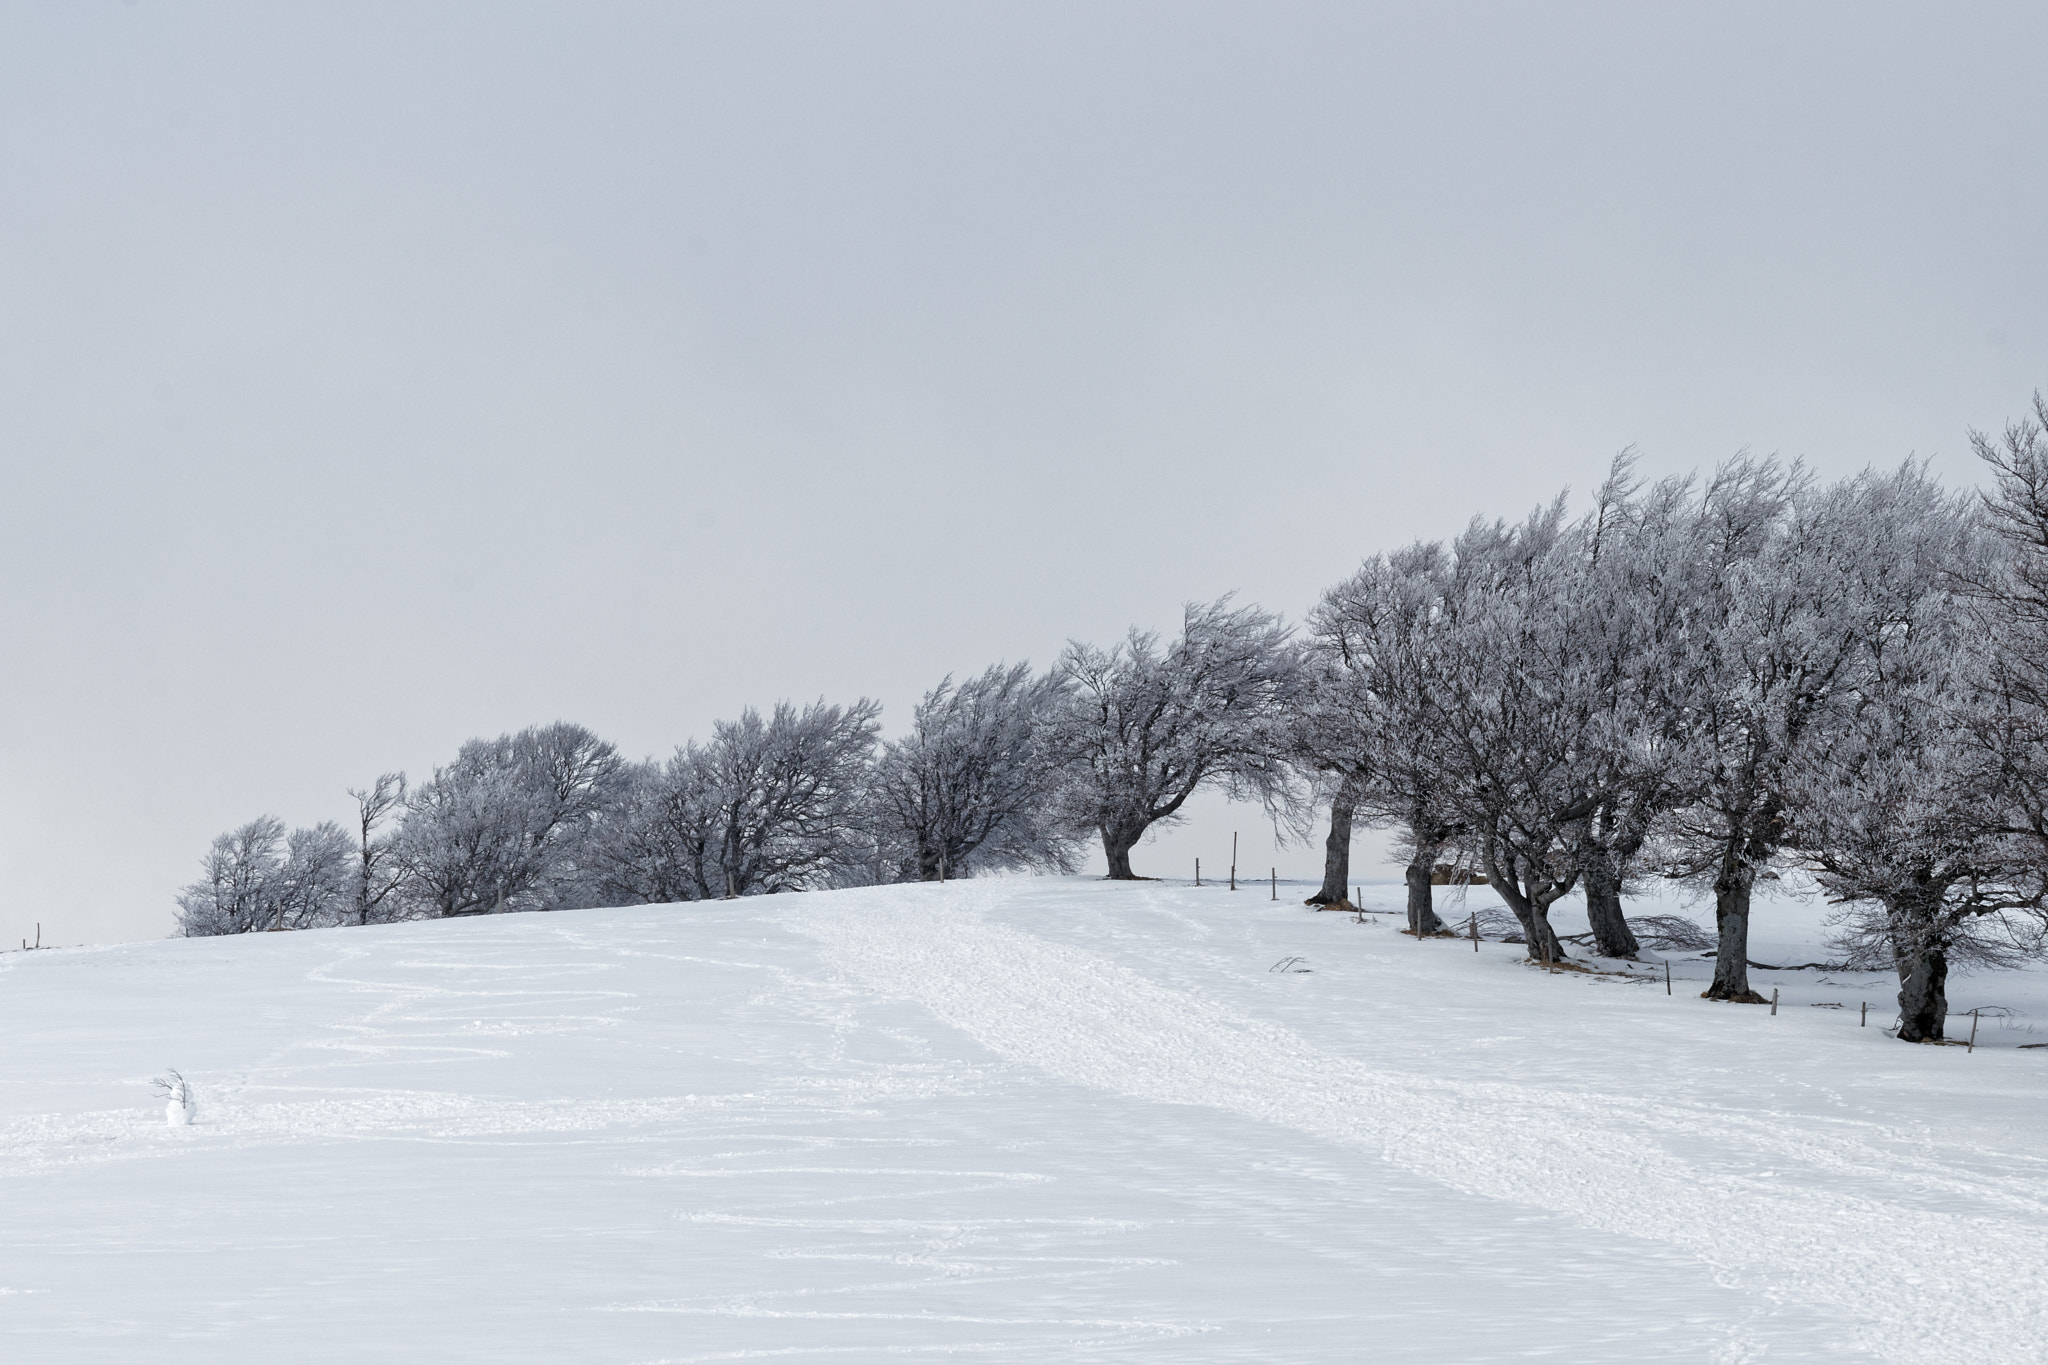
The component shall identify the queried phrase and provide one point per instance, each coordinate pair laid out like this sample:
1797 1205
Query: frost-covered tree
1332 738
1630 604
1370 712
644 853
1894 803
765 805
1768 646
1143 726
260 877
236 892
464 835
2015 584
1802 576
508 825
316 884
1522 767
1538 704
2009 593
376 874
971 785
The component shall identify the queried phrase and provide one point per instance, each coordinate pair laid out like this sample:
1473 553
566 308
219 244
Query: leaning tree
767 804
1374 656
1143 726
971 784
510 824
1779 627
1896 805
1523 780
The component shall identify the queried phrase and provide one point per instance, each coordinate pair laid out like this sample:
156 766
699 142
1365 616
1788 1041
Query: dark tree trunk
1923 997
1337 851
927 864
1611 935
1117 843
1732 886
1422 918
1543 945
1421 897
1923 974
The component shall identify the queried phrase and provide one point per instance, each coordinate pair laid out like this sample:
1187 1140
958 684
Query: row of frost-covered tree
1706 680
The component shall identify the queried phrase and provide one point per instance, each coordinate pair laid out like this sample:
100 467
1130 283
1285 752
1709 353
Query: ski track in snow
1925 1260
849 1182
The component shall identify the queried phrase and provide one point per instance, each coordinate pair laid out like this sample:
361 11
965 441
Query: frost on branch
258 877
971 787
765 805
509 825
1143 726
1903 813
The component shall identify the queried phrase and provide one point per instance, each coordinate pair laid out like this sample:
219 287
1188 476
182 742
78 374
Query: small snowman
179 1107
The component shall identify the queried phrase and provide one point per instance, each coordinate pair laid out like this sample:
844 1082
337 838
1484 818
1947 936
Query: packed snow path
1044 1120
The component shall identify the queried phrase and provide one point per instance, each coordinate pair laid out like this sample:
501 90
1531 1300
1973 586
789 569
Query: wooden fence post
1774 1002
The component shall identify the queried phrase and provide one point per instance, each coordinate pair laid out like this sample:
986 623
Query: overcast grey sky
376 376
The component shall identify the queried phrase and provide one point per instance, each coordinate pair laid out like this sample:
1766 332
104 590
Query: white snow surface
1020 1119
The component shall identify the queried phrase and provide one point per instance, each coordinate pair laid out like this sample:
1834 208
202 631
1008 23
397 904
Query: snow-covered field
1030 1120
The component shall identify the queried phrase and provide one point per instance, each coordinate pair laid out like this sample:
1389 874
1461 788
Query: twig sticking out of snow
179 1107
